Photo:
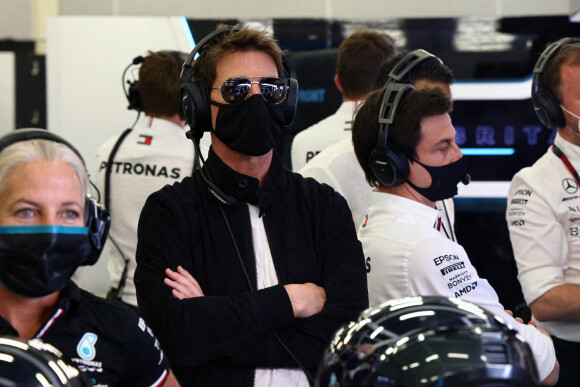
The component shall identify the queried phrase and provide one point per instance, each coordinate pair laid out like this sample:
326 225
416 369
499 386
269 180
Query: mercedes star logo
570 185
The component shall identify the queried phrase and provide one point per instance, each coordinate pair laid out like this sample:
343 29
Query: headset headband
188 64
35 134
545 57
407 63
392 98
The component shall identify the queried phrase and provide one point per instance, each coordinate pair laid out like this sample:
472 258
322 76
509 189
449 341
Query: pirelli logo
451 268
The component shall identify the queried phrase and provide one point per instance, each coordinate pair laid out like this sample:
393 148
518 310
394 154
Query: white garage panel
85 59
7 92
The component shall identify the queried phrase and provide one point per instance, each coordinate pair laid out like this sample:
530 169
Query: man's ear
337 82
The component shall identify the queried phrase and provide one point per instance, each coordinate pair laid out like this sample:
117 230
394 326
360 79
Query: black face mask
444 180
251 127
36 261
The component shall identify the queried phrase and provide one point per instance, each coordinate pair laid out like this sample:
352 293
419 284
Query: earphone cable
249 282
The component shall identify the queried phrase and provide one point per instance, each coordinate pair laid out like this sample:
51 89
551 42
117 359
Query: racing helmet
34 363
427 341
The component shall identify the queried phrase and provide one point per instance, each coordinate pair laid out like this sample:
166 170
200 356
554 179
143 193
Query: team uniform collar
405 210
571 151
69 296
246 188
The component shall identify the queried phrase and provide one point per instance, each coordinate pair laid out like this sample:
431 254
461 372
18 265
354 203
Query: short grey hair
39 149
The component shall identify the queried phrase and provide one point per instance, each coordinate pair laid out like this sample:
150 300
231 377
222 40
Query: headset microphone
466 179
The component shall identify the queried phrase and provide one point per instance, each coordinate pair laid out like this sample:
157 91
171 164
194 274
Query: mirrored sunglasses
236 90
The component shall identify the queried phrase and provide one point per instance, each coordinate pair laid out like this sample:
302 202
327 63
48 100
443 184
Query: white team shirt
543 217
406 256
313 140
267 277
154 154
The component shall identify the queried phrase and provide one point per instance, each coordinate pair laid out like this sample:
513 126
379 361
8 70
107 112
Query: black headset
546 105
391 168
131 88
97 218
195 92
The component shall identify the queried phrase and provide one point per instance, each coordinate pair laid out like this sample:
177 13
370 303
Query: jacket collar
246 189
69 295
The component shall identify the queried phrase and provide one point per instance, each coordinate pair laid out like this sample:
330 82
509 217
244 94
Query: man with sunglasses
245 270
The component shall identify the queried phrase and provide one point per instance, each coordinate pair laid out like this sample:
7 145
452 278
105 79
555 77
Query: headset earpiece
291 101
134 96
132 92
195 106
548 109
98 221
195 93
97 218
546 105
390 168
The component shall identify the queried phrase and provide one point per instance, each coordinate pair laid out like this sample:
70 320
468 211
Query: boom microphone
465 179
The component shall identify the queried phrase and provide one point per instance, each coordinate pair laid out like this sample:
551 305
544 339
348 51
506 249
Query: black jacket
221 338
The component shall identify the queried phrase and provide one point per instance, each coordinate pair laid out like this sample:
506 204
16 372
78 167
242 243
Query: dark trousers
568 355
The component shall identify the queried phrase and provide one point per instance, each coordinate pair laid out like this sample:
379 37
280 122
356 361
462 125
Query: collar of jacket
246 188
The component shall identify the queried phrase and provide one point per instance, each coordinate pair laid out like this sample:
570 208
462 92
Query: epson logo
444 258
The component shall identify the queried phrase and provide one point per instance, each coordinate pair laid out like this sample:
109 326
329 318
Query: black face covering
36 261
444 180
251 127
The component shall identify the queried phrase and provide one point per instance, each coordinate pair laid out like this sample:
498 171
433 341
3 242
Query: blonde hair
34 150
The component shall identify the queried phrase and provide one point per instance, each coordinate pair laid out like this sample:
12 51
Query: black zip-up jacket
219 339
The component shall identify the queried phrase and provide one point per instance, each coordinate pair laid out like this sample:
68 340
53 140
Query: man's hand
307 299
518 319
183 284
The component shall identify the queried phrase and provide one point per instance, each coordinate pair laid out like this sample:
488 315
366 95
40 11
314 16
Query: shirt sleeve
443 269
539 244
147 364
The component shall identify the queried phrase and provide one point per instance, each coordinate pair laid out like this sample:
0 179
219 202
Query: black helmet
34 363
427 341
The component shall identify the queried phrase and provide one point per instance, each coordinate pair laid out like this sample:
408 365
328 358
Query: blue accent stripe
45 229
488 151
187 31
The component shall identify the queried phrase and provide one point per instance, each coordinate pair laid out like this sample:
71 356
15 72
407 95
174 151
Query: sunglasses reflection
236 90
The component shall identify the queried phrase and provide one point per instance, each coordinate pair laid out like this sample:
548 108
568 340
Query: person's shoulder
98 308
178 188
540 174
541 166
330 156
172 196
309 189
313 131
108 144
